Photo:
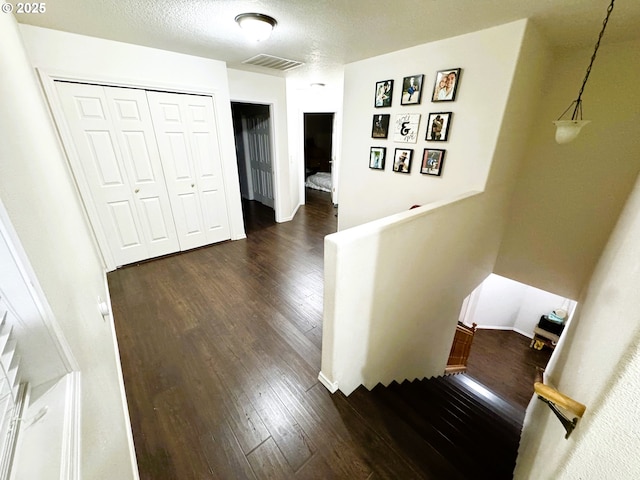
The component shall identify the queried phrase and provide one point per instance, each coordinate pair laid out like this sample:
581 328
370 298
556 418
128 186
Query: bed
319 181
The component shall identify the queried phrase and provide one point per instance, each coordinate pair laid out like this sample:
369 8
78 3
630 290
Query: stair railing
555 399
460 349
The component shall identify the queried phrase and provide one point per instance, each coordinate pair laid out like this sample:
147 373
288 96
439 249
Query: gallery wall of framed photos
399 129
462 144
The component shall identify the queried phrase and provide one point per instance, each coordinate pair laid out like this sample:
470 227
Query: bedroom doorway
253 139
318 150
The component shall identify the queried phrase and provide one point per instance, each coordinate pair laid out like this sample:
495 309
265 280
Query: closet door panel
179 171
102 170
157 226
186 133
189 210
203 133
132 121
127 224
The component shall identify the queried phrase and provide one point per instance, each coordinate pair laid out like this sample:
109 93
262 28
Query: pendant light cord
578 103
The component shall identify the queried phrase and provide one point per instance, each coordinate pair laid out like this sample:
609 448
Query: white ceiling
326 34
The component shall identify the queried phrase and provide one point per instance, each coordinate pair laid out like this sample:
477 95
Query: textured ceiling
326 34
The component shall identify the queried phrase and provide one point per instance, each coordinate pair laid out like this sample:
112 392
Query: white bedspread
319 181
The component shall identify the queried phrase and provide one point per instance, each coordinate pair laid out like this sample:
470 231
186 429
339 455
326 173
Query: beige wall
568 197
394 286
41 202
488 59
599 366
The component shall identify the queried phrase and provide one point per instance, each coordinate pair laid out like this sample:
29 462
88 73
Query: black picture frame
432 161
383 94
377 158
445 86
380 126
412 90
402 160
438 126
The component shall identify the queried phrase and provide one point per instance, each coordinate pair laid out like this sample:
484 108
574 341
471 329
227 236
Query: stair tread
464 420
427 431
492 401
456 420
433 463
491 449
478 413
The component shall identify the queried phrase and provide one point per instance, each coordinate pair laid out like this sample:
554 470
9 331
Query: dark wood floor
503 361
220 350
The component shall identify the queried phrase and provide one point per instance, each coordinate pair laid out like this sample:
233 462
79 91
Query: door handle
193 185
136 190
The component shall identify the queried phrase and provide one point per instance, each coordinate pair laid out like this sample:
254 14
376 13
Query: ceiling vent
275 63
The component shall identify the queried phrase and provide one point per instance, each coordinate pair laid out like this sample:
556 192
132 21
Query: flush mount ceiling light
567 130
256 26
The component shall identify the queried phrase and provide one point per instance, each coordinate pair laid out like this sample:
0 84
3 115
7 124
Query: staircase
449 427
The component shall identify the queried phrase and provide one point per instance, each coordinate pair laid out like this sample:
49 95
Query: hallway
220 350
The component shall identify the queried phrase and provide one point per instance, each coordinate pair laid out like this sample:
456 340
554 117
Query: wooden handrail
554 399
559 399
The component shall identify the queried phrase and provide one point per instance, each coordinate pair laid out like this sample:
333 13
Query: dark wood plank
219 447
269 463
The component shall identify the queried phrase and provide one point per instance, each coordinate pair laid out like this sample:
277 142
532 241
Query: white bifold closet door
119 159
187 136
153 175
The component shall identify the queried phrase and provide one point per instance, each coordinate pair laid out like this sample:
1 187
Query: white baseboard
512 329
288 218
329 385
123 396
493 327
526 334
70 468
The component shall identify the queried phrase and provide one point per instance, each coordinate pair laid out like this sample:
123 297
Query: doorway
318 142
252 132
318 150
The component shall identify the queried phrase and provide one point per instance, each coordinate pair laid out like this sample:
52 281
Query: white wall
303 99
487 59
262 89
41 202
501 303
569 196
392 294
495 303
394 287
98 60
598 366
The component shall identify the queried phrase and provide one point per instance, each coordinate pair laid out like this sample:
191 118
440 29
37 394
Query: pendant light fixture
567 130
256 26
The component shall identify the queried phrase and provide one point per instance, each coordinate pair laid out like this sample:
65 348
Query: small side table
542 337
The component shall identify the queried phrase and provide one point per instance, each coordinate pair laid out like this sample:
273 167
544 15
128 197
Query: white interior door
258 149
186 131
120 164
